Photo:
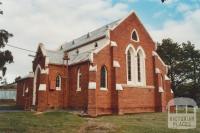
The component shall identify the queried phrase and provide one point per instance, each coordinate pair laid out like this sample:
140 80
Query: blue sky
53 23
155 13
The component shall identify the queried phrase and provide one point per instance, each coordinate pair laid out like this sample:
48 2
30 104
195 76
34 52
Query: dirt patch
93 126
38 113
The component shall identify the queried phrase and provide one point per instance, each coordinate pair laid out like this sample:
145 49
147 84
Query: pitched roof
56 57
90 36
100 35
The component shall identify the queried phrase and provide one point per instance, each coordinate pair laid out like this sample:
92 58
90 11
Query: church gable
39 57
131 30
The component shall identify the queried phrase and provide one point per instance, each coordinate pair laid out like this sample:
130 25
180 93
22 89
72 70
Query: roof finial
73 42
88 35
107 26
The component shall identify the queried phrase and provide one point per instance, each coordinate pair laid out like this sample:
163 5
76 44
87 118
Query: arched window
58 82
141 73
103 82
130 64
134 36
78 80
139 67
23 89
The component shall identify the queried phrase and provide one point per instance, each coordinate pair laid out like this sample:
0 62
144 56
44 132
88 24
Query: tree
170 52
184 67
5 55
191 57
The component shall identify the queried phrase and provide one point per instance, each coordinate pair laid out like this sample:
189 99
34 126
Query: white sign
182 113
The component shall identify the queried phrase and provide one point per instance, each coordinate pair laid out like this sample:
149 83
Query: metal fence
8 94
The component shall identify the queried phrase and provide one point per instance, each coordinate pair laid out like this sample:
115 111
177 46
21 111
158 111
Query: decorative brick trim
91 59
42 87
58 88
157 70
166 77
93 68
113 44
116 63
45 71
103 89
160 89
92 85
119 87
137 86
26 91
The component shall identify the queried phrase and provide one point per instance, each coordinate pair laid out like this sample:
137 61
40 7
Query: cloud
182 7
34 21
181 30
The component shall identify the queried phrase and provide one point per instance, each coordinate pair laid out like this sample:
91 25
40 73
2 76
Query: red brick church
112 70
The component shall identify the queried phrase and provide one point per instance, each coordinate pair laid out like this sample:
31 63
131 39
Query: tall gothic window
79 80
130 64
129 60
103 83
58 82
141 67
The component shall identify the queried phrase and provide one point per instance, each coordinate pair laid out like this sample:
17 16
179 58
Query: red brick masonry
151 97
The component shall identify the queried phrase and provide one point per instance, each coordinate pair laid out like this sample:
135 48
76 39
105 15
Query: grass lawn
64 122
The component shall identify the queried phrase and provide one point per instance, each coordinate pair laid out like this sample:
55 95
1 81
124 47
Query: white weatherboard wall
8 94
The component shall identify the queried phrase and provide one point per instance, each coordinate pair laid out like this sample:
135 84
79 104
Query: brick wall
23 98
96 101
78 99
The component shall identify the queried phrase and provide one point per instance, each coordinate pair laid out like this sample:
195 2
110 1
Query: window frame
58 82
132 51
78 82
138 39
105 78
142 56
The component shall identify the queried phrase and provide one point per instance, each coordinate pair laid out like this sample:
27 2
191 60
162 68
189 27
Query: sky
55 22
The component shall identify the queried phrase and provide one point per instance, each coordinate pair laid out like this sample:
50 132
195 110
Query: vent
88 35
61 48
107 26
96 45
77 51
73 42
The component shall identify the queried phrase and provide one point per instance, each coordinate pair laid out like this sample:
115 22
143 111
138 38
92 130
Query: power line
20 48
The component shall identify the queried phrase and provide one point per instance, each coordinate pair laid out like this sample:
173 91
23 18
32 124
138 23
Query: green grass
64 122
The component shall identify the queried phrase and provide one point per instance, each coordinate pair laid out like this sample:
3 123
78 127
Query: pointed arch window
78 80
139 67
134 36
129 67
103 83
141 72
130 64
58 82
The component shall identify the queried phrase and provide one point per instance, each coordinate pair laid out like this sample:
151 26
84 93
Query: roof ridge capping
94 33
125 17
103 30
